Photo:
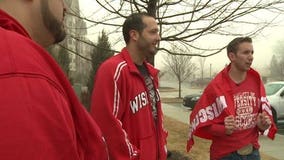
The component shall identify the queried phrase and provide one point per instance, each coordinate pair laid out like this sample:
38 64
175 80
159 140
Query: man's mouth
249 63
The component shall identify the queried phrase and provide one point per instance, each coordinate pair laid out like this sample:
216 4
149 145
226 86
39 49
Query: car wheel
274 115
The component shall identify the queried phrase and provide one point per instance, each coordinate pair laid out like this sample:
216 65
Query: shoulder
21 56
30 88
253 73
254 77
16 44
152 70
113 65
13 37
19 53
150 66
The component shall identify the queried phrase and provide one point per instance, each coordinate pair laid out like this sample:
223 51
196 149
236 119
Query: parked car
189 101
275 96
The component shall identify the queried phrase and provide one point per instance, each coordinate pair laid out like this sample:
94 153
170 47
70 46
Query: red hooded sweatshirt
41 117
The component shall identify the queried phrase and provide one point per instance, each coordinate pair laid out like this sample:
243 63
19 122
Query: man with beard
41 117
125 101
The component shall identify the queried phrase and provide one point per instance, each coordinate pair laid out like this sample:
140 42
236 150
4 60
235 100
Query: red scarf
216 101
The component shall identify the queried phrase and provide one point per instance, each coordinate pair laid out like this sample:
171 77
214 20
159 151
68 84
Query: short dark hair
233 46
133 22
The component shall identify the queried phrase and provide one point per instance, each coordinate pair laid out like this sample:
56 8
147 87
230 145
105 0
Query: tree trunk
179 88
152 10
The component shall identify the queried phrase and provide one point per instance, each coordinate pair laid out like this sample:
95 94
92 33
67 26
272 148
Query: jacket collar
9 23
225 72
126 56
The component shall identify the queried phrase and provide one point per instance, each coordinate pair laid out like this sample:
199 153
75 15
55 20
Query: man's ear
134 35
231 56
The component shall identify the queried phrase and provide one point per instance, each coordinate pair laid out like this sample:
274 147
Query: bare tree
201 61
181 67
191 22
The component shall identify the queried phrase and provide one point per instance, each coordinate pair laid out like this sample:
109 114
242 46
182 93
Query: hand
263 121
230 124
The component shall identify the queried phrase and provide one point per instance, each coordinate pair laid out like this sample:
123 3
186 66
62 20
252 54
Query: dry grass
167 89
177 138
171 100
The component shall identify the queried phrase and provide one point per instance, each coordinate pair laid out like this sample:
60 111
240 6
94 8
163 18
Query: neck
22 12
237 75
136 55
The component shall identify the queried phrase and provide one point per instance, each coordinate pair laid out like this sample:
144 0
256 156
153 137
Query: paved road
281 129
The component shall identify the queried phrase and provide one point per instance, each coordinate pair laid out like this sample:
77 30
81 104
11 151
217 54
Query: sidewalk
272 148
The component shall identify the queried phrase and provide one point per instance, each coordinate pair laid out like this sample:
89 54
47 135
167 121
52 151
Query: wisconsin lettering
139 102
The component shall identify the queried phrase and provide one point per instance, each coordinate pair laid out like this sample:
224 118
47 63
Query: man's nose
65 7
158 37
251 56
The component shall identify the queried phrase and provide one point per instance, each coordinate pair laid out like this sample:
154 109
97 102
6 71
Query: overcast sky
263 50
263 44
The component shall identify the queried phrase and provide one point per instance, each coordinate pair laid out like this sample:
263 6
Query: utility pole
210 69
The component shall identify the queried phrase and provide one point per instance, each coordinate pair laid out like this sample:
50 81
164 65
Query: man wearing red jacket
41 117
233 109
125 101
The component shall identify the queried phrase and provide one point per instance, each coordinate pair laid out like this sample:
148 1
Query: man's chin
153 52
59 37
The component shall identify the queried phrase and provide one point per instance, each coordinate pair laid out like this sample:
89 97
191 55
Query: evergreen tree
277 62
64 60
101 52
62 57
274 68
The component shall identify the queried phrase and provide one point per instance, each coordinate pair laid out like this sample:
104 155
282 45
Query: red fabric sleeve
265 107
35 121
216 129
107 110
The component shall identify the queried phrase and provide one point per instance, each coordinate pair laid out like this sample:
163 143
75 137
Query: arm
222 129
263 121
216 129
107 109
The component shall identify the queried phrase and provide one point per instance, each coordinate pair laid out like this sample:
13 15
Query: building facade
78 47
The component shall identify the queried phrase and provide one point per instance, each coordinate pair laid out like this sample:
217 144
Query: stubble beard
54 26
146 47
155 50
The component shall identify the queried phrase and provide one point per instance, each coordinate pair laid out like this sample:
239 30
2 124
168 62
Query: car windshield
272 88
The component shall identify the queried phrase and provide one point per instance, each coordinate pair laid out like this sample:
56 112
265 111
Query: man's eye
154 32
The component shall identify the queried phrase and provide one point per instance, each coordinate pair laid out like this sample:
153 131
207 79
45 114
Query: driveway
280 128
